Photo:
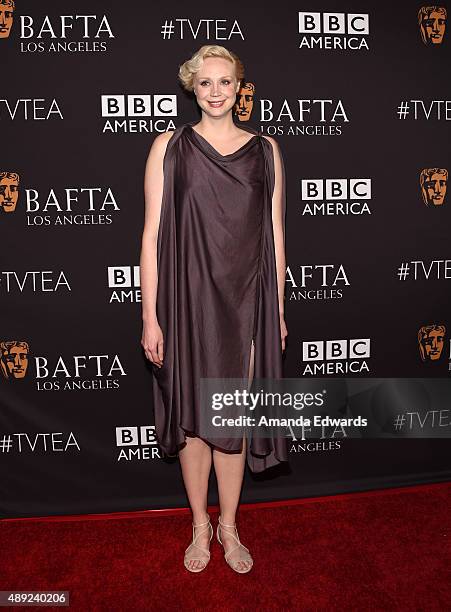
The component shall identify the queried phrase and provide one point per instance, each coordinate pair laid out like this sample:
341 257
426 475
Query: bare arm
277 222
153 194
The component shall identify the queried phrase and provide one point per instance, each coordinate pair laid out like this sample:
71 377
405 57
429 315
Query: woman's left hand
283 331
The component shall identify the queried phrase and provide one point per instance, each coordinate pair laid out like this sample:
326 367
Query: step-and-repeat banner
358 98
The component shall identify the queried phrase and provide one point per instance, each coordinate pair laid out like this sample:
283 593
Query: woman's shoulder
161 141
165 137
270 139
273 142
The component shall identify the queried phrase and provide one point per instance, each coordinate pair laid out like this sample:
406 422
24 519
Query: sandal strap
205 550
227 555
234 563
225 524
236 538
202 524
195 536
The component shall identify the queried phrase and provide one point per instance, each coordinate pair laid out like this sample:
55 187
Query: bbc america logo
333 23
125 284
336 196
137 443
336 189
145 105
333 30
336 357
120 277
138 113
325 350
136 436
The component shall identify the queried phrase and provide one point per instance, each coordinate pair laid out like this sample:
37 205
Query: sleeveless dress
217 283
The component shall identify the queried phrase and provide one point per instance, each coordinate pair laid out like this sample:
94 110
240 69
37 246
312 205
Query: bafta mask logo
9 191
14 358
245 102
433 183
432 22
430 341
6 17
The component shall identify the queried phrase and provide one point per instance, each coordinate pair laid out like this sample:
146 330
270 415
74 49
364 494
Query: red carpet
380 550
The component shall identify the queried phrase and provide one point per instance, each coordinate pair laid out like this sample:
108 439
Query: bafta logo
433 183
430 341
432 22
14 358
245 102
6 17
9 191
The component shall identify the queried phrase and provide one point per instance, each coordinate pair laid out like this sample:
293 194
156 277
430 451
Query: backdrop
357 99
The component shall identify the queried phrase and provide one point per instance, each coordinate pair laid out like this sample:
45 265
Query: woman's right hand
152 342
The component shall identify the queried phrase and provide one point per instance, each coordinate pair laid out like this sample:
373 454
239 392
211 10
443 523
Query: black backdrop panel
81 99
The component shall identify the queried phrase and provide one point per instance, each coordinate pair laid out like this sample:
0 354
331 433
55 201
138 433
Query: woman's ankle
200 517
228 519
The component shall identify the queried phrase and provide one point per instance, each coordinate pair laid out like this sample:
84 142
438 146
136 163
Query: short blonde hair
188 69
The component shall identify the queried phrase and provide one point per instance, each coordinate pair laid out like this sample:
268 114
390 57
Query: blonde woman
212 280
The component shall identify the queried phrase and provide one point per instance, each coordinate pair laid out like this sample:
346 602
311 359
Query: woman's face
216 86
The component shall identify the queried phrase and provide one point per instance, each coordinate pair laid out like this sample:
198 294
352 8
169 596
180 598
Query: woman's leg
229 468
195 461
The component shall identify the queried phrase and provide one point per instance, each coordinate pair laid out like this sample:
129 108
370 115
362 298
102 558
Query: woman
212 280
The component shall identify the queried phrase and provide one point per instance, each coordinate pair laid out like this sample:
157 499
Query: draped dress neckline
230 156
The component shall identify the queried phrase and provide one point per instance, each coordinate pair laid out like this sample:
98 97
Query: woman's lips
216 104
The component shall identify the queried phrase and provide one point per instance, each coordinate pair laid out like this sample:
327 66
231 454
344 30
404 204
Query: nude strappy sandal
204 550
247 557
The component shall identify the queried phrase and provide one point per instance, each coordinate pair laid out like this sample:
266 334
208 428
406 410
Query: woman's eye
225 82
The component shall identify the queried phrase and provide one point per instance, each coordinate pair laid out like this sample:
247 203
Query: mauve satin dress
217 283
